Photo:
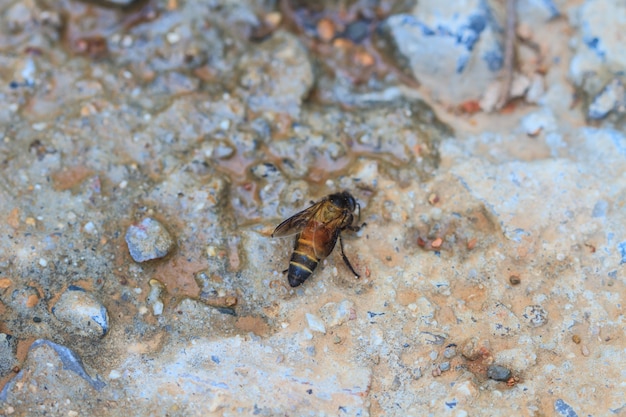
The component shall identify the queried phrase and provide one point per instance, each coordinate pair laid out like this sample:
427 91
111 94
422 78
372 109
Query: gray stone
148 240
453 47
82 313
498 373
564 409
55 367
449 352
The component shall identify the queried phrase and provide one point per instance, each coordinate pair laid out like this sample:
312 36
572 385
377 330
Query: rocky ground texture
148 149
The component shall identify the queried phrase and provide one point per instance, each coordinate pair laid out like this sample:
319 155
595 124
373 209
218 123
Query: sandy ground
147 154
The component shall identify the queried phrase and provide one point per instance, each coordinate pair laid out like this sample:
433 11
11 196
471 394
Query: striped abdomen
301 266
315 240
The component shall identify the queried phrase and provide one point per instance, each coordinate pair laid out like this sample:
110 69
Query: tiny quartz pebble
148 240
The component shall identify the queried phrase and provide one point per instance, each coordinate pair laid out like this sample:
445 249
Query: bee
317 229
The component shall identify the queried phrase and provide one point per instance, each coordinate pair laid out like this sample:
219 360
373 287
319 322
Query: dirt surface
148 151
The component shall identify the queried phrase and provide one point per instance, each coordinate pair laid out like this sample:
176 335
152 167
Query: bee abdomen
301 267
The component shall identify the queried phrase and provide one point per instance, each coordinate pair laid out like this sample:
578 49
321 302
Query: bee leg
345 258
285 271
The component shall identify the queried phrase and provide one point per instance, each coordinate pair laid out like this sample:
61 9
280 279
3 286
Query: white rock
148 240
451 47
82 313
336 314
315 323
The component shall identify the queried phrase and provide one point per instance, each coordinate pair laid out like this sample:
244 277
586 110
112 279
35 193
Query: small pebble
444 366
90 228
336 314
576 339
474 349
357 31
498 373
148 240
584 350
535 315
82 313
315 323
449 352
364 59
273 19
325 29
515 280
114 374
225 124
564 409
127 41
154 297
172 37
265 170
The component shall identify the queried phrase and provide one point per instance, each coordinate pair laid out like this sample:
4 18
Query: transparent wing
297 222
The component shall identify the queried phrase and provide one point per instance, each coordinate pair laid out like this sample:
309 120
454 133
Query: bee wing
297 222
326 234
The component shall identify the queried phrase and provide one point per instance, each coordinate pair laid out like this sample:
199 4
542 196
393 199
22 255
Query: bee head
343 200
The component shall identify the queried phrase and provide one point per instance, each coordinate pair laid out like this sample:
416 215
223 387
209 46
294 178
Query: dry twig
509 53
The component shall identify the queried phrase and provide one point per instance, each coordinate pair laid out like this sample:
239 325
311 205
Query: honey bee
317 229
